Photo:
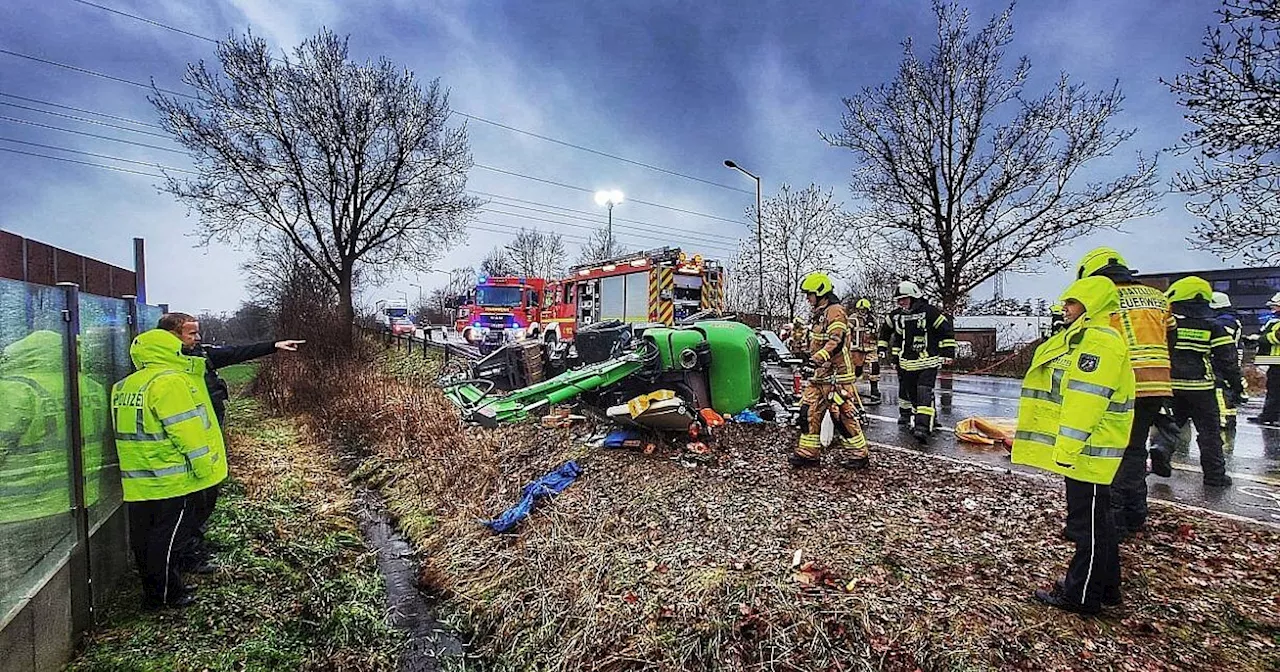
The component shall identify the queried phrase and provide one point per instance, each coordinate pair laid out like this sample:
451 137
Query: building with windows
1249 289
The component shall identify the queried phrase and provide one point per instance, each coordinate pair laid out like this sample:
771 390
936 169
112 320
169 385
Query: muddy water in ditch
430 643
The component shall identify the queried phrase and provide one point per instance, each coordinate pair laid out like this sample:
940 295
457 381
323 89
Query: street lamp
610 198
414 284
759 241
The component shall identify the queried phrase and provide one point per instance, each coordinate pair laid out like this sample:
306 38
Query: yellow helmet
817 283
1190 287
863 304
1098 259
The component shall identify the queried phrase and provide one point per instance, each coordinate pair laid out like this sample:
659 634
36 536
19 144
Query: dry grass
665 561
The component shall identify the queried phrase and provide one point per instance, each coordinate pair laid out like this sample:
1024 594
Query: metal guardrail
410 342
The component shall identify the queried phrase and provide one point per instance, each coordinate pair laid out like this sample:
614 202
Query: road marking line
1044 478
1266 480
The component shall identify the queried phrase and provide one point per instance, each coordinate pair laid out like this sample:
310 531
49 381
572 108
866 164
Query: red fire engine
503 308
656 286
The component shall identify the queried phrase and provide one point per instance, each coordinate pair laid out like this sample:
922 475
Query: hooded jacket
1076 407
1201 351
34 441
167 435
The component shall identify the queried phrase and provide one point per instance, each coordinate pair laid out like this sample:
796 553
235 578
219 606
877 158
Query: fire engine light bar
610 267
640 262
584 272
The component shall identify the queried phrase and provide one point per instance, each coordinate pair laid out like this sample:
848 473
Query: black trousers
1201 408
195 552
1271 407
1095 568
158 531
915 395
1129 489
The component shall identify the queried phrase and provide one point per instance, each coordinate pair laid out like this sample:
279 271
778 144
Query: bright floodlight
608 197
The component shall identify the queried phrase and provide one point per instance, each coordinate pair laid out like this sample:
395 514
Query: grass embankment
296 589
676 561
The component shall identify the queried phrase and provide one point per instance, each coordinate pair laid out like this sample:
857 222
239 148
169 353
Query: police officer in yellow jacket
831 387
171 450
1074 419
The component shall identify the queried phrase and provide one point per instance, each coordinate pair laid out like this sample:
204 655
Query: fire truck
659 286
502 309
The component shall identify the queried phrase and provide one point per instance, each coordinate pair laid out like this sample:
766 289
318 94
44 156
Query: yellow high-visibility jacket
1076 409
167 435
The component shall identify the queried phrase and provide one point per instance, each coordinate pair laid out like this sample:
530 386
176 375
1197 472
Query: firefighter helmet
817 283
1098 260
1190 287
797 322
863 304
906 289
1220 300
1275 300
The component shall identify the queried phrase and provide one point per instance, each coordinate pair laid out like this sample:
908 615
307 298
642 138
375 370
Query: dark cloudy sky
677 84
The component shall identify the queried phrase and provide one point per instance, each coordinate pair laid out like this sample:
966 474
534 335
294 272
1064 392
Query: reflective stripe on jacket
1201 352
1076 407
1143 320
921 336
167 435
1269 343
829 345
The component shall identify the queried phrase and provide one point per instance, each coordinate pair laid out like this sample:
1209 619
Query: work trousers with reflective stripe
915 395
1129 489
1095 568
867 362
158 531
1271 407
820 399
1201 408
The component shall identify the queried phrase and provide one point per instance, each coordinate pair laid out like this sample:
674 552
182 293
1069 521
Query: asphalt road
1253 454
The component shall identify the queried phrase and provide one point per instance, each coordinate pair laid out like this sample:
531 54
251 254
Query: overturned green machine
713 364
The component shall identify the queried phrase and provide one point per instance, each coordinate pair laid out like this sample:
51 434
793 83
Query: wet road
1253 456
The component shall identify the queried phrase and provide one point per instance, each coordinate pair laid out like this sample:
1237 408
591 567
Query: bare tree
967 173
537 254
1232 97
799 233
599 247
497 262
353 164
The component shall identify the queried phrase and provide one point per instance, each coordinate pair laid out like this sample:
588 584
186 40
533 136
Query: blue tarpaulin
551 484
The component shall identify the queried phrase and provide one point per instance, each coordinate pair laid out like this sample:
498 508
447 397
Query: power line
83 163
146 20
94 73
78 109
99 156
598 152
92 135
477 165
592 191
593 228
593 216
85 120
473 117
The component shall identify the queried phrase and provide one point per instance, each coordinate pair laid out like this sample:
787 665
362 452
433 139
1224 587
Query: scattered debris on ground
296 588
730 560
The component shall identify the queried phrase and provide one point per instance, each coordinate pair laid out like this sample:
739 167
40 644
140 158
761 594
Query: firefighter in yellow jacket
831 387
862 322
1074 419
1143 320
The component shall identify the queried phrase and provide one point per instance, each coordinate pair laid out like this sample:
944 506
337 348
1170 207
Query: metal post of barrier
82 615
132 302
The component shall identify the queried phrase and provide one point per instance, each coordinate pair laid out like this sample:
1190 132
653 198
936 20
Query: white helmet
1275 300
906 288
1220 300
